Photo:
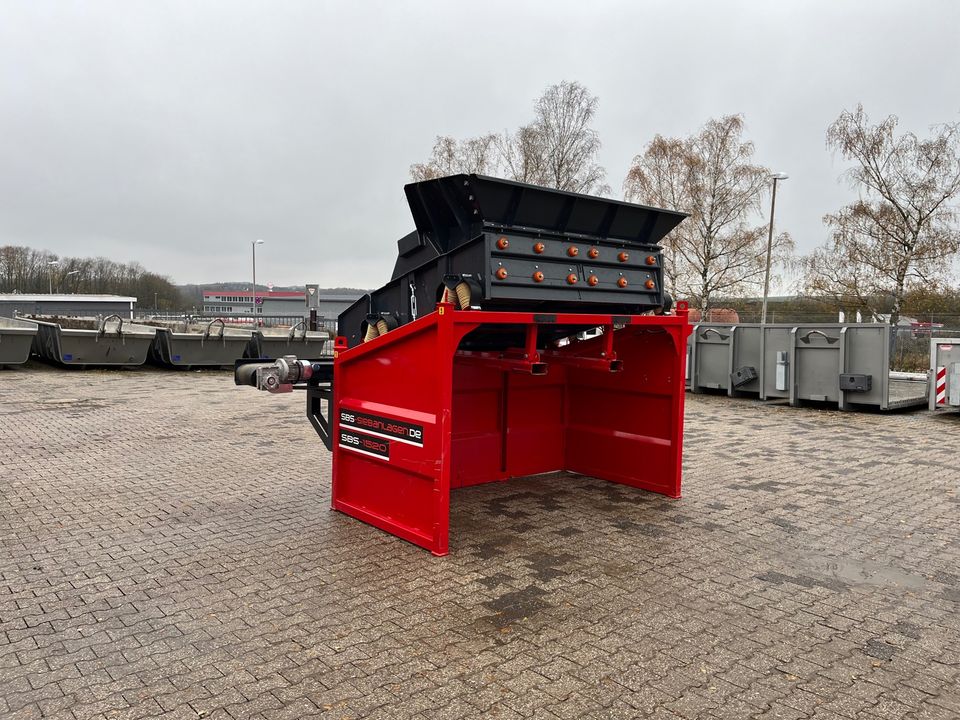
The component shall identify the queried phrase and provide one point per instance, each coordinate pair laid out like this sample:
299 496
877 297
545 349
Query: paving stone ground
166 549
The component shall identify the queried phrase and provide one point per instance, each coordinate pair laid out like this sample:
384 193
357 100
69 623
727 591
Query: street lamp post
50 265
253 297
766 276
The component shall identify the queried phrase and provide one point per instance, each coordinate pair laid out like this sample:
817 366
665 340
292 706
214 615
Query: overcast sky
174 133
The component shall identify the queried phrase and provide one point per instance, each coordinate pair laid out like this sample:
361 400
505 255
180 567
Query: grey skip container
274 343
212 345
846 364
738 359
16 339
849 364
82 342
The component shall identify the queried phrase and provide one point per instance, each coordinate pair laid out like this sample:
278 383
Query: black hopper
481 242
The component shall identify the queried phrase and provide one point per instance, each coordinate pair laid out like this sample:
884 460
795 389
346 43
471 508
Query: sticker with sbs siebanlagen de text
399 430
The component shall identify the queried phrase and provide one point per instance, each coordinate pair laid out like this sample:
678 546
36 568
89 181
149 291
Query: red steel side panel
505 423
477 445
391 429
627 427
535 422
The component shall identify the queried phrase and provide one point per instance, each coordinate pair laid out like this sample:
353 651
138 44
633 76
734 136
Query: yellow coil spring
463 295
382 328
372 333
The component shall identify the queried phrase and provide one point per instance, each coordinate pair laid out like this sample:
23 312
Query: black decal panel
382 427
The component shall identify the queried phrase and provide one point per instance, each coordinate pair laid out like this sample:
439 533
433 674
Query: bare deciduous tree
711 176
564 143
523 156
557 149
451 156
902 231
25 270
658 177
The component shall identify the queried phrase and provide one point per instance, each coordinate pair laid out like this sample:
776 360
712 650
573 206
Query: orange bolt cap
592 280
539 248
651 260
622 282
572 279
623 257
538 276
594 253
650 284
501 273
503 243
573 251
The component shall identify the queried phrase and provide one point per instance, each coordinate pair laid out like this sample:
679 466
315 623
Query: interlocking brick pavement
167 550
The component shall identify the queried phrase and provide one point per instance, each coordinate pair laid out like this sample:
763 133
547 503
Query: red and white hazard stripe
941 386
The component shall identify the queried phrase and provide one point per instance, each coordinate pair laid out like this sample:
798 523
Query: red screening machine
547 344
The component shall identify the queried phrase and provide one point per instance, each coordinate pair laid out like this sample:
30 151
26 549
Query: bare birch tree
523 156
557 149
711 176
451 156
902 231
658 177
562 140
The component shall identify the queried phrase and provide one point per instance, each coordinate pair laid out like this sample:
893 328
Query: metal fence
241 320
911 349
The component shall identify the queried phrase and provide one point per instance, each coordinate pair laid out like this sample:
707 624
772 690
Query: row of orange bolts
503 243
593 253
572 279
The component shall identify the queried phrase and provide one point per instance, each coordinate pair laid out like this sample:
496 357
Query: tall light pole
766 276
253 297
50 265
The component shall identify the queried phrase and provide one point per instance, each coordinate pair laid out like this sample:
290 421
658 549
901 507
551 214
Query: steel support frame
413 416
316 396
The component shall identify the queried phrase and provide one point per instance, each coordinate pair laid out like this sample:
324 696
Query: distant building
330 306
275 302
66 305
